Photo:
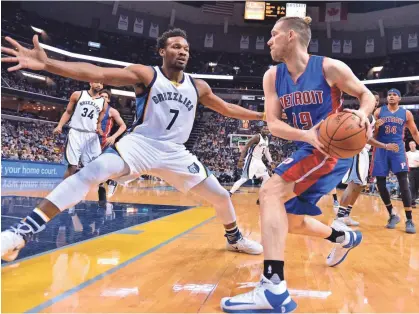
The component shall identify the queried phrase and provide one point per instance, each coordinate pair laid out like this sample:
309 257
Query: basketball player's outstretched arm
212 101
68 112
411 125
37 59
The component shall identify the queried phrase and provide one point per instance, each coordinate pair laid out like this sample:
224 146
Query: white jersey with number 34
86 112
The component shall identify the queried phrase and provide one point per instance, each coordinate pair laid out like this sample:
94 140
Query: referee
413 161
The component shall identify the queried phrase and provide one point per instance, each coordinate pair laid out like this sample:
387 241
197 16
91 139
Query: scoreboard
275 10
261 10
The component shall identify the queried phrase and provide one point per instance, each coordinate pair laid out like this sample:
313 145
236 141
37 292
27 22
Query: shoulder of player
75 96
113 112
146 74
270 74
332 66
409 114
202 87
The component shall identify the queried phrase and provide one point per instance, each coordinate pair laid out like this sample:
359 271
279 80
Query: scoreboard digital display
275 10
260 10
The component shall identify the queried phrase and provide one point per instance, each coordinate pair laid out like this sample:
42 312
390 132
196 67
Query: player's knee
93 173
381 182
275 187
295 223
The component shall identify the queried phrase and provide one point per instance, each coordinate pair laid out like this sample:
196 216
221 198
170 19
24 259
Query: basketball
342 136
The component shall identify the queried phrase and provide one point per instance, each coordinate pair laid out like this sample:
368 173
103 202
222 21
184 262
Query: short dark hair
375 93
175 32
106 91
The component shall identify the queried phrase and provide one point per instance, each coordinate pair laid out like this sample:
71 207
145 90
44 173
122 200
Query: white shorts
358 172
254 168
81 146
169 161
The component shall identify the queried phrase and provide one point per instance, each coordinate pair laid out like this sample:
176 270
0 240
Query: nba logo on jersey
194 168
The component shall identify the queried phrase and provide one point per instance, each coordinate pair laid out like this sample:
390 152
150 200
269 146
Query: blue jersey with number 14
310 99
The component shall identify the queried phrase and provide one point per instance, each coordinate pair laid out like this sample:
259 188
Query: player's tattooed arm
212 101
37 59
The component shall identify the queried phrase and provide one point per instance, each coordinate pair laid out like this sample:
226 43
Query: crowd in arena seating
213 148
141 50
31 141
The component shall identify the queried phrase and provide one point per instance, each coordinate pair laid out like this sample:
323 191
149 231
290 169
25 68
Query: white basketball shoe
245 245
266 297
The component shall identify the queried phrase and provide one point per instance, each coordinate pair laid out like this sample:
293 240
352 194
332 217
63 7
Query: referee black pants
414 183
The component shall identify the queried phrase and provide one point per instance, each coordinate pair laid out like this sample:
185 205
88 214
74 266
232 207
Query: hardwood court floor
178 264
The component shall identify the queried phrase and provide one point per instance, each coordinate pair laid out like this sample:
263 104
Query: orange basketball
342 136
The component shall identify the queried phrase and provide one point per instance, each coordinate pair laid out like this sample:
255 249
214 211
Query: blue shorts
314 176
384 161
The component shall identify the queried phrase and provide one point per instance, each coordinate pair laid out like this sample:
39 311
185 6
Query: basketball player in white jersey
356 178
83 111
253 167
154 145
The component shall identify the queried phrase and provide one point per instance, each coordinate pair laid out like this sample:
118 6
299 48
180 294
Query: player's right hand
312 137
34 59
58 130
393 147
240 164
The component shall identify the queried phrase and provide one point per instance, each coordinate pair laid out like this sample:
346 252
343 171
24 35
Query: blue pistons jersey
310 99
391 131
306 102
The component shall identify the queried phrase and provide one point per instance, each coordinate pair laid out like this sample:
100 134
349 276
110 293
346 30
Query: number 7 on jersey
176 112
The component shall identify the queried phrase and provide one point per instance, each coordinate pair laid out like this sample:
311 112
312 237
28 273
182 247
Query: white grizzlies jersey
258 150
86 112
169 110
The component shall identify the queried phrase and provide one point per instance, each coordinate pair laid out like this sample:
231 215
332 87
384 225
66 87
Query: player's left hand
364 121
110 141
273 165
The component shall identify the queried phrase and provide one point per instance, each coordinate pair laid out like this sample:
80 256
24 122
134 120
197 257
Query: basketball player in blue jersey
391 122
356 178
106 139
155 144
307 88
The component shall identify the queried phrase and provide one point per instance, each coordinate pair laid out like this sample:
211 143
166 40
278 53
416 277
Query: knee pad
381 183
404 188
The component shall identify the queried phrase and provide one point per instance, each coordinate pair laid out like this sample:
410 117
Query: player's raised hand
364 121
312 137
393 147
34 59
